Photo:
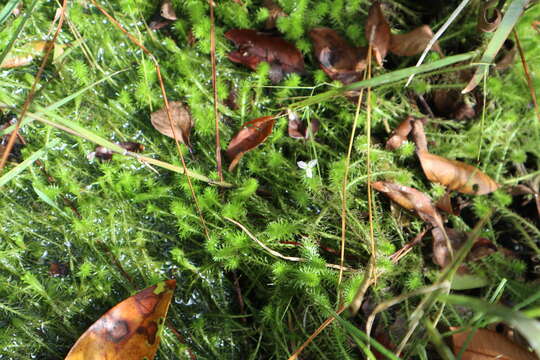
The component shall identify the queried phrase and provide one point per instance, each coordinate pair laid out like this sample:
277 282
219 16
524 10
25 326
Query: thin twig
279 255
167 108
214 86
48 49
312 337
527 74
344 192
371 275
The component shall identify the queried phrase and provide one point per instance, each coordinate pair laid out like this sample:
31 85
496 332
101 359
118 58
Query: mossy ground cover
135 225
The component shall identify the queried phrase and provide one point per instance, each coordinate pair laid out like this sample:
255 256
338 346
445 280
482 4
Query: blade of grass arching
446 275
61 102
27 15
529 328
508 22
363 337
79 131
384 79
6 11
10 175
438 34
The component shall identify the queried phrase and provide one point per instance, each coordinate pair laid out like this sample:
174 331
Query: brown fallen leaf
275 11
456 175
105 154
164 16
414 42
411 199
378 32
298 129
486 344
487 23
400 134
130 330
255 47
57 269
441 255
182 122
26 54
445 204
450 103
252 134
337 58
15 153
506 56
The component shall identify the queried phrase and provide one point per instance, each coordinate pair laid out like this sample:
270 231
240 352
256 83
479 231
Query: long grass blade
508 22
6 11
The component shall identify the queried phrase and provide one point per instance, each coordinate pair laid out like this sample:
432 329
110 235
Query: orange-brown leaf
25 55
298 129
414 42
338 59
411 199
456 175
487 344
378 32
181 121
400 134
128 331
252 134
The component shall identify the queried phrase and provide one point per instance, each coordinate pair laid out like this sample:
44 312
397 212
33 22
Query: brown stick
167 108
214 86
527 74
48 48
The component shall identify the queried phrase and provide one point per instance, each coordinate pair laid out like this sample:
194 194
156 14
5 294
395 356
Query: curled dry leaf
486 344
338 59
252 134
506 56
299 129
130 330
413 42
378 32
105 154
25 55
400 134
411 199
164 16
254 47
181 118
482 247
456 175
487 22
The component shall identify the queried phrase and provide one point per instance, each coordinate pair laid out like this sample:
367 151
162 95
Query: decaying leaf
164 16
506 56
456 175
486 344
299 129
181 118
255 47
378 32
414 42
450 103
128 331
487 22
445 204
275 11
411 199
105 154
400 134
252 134
58 269
15 153
338 59
441 256
25 55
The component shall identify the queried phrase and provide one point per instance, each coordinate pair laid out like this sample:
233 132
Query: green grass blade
60 102
10 175
508 22
27 15
528 327
6 11
385 79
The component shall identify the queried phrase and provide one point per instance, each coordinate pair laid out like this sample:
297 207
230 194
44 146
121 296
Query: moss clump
132 220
